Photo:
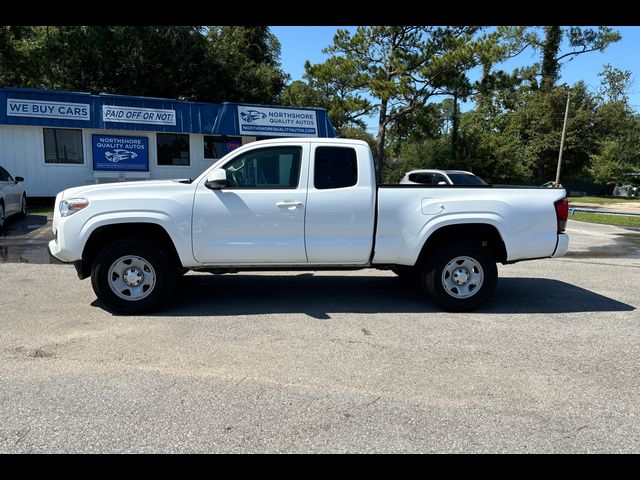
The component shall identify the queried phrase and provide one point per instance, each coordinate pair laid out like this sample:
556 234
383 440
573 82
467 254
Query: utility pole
564 131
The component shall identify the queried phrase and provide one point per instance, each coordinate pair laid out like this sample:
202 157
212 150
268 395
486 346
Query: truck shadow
318 296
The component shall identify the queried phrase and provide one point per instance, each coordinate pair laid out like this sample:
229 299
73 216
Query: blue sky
301 43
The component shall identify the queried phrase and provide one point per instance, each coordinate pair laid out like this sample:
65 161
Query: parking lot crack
368 404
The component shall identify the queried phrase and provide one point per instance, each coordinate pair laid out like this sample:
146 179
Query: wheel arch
485 234
104 234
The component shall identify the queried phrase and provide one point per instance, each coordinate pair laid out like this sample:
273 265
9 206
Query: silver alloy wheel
131 277
462 277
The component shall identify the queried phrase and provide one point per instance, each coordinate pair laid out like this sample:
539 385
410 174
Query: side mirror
216 179
19 179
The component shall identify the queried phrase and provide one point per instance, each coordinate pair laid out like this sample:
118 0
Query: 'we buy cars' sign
18 107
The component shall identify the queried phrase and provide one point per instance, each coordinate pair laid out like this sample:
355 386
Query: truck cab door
258 217
340 212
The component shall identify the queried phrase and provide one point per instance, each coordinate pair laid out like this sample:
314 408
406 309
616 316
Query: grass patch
39 210
620 220
605 200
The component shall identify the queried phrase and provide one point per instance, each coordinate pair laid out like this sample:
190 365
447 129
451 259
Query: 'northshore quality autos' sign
120 153
284 122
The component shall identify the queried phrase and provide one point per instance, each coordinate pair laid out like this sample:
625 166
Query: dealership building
57 139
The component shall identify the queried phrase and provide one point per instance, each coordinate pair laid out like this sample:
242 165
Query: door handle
289 205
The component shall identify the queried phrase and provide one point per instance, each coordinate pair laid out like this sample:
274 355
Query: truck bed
407 214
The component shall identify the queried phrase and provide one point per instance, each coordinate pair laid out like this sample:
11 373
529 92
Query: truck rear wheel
132 276
460 276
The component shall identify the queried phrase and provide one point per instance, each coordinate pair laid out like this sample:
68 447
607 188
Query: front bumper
57 251
66 244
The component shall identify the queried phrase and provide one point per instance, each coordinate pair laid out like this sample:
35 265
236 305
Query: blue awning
54 108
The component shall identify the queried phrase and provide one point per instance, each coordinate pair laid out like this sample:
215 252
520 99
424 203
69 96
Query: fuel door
431 205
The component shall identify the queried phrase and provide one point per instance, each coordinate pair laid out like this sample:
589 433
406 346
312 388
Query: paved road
330 362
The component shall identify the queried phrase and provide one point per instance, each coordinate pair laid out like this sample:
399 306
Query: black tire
23 206
3 217
180 273
433 282
155 297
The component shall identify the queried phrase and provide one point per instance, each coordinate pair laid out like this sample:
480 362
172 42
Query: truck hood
121 187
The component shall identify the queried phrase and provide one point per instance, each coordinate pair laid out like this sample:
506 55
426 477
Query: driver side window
270 167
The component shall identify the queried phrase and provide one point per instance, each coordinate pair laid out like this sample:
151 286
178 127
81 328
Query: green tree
550 64
402 67
579 40
331 85
615 84
243 65
617 129
538 127
186 62
15 67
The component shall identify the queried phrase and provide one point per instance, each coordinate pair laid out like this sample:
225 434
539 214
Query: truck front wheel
133 276
460 276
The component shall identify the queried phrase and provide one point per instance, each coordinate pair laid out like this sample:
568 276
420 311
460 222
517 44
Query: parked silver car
441 177
13 197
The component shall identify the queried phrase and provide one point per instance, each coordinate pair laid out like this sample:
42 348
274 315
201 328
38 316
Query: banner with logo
277 122
120 153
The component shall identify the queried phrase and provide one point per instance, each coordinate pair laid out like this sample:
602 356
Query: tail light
562 213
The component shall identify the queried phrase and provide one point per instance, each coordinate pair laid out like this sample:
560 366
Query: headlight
73 205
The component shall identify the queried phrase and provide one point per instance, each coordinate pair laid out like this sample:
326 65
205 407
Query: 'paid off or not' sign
115 113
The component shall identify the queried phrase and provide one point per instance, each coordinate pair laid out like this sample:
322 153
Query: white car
13 197
441 177
301 204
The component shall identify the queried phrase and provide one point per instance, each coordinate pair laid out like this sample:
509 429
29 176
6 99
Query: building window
173 149
335 167
213 147
63 145
218 147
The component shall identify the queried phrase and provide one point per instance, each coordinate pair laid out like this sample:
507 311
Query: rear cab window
335 167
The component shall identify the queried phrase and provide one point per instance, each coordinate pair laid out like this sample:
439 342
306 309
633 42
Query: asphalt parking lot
326 361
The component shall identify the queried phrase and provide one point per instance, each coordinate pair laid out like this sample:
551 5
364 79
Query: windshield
466 179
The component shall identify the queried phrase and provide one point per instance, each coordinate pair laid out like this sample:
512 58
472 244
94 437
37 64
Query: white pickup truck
301 204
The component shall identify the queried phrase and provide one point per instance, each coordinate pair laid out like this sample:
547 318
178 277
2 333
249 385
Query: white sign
283 122
17 107
118 114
